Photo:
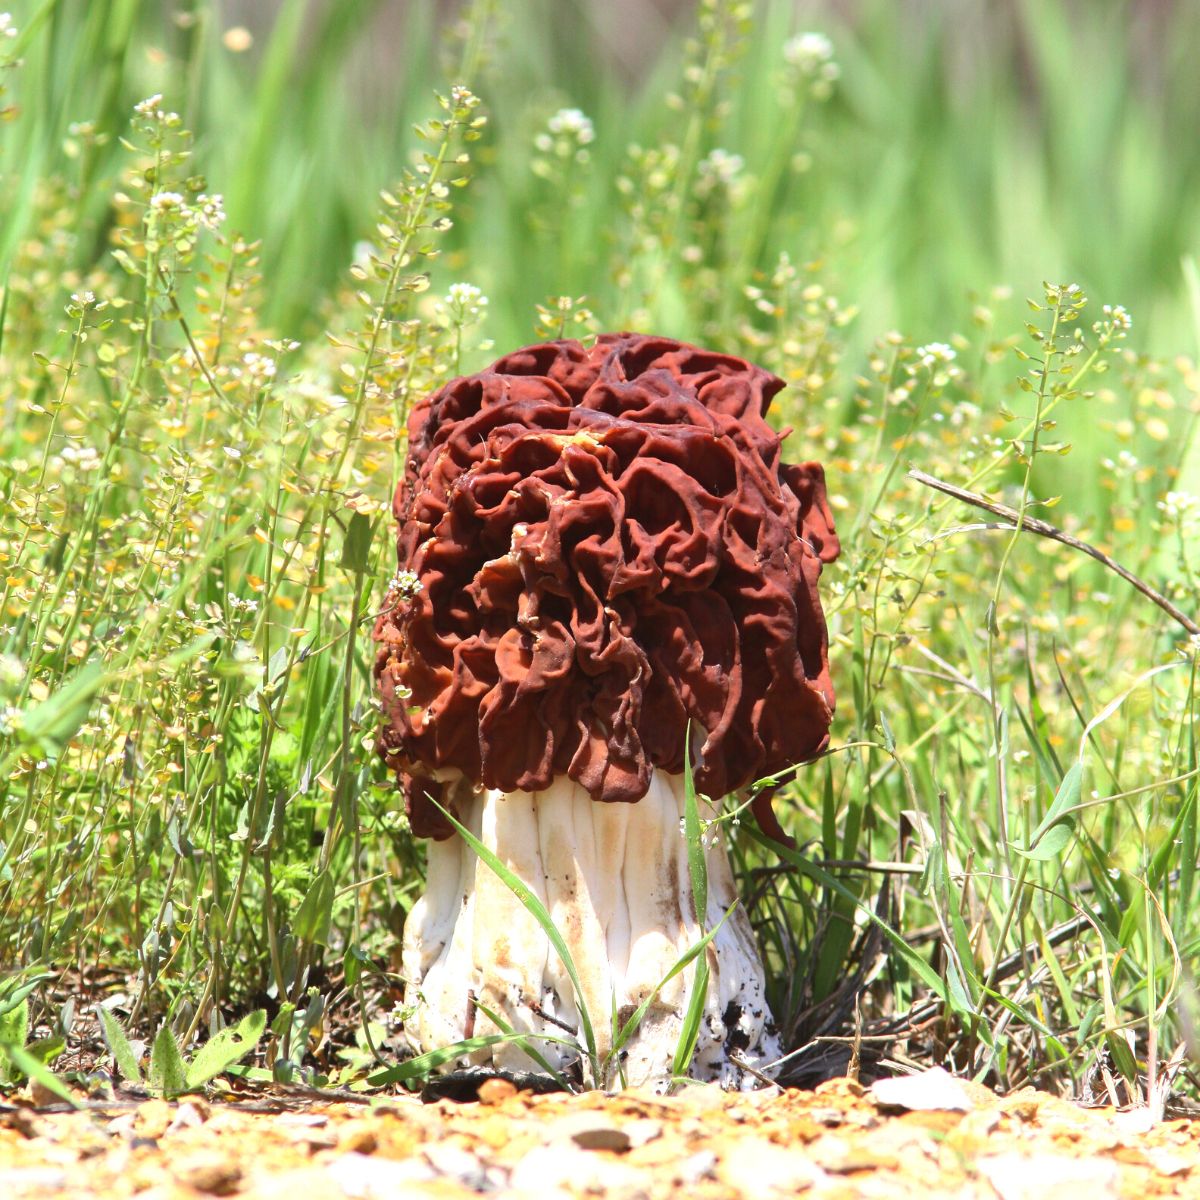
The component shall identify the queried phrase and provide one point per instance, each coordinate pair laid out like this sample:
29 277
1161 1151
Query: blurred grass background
191 804
968 144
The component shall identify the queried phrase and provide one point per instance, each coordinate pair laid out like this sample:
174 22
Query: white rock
927 1091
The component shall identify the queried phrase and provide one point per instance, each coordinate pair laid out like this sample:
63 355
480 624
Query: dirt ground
929 1136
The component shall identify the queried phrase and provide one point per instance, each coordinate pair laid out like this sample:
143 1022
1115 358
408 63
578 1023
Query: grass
199 439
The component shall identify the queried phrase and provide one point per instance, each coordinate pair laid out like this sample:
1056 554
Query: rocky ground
927 1135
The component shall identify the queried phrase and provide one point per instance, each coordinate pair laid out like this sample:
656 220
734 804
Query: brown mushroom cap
609 547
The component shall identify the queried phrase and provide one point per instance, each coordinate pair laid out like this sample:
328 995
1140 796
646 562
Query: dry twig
1046 530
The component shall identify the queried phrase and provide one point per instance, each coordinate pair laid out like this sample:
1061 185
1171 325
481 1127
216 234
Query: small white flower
7 28
82 458
721 167
1116 320
210 211
149 107
575 124
405 584
167 202
1179 506
257 369
463 97
465 303
811 54
936 354
10 718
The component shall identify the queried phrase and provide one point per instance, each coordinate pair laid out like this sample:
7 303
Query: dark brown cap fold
609 546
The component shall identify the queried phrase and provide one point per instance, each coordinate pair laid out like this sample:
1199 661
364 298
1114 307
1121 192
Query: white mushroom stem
614 879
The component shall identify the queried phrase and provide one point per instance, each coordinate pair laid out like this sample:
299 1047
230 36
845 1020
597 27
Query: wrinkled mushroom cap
609 547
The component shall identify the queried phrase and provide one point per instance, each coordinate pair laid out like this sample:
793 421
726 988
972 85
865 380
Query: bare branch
1046 530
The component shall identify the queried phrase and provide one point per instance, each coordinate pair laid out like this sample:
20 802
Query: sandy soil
929 1136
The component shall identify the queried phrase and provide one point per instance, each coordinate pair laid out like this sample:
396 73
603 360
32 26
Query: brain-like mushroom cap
609 547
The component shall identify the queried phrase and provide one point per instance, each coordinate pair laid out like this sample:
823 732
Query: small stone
926 1091
212 1174
33 1182
452 1162
495 1090
602 1137
363 1177
697 1167
189 1116
359 1138
642 1131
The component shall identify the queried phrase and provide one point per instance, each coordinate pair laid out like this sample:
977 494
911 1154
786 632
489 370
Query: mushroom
609 551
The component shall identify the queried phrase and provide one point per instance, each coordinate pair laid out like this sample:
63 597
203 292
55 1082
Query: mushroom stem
614 878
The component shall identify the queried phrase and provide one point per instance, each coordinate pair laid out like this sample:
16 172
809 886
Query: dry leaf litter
928 1135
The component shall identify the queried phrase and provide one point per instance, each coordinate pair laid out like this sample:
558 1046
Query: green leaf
167 1074
356 547
315 914
33 1068
225 1048
46 1050
118 1046
425 1064
14 1023
1057 827
1051 844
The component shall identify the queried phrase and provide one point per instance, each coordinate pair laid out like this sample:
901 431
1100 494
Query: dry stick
1045 529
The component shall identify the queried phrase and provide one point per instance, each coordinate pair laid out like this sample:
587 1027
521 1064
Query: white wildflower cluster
238 605
567 136
720 168
810 55
405 584
462 97
151 115
1068 296
82 458
935 354
7 28
258 370
464 304
1115 323
1179 507
938 359
1125 464
210 211
205 212
10 718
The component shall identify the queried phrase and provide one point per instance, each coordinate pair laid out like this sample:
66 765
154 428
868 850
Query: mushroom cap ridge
610 547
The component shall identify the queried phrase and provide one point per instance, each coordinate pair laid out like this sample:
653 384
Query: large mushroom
609 551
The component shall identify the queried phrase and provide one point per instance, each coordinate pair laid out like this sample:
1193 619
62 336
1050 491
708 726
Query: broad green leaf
315 914
167 1073
223 1049
118 1046
356 547
1051 844
14 1024
1065 799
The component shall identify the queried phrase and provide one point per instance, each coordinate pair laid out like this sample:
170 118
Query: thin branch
1045 529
